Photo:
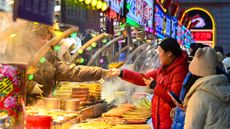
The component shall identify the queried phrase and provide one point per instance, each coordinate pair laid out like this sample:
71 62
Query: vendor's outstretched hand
115 72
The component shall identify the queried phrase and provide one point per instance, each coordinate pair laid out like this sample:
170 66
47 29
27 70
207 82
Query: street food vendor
46 74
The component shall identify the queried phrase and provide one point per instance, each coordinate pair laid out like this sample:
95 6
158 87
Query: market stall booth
65 103
71 102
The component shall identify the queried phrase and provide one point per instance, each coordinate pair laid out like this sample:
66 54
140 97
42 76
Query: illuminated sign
141 11
183 31
159 21
187 38
116 5
203 20
167 26
202 35
179 33
6 86
174 27
203 30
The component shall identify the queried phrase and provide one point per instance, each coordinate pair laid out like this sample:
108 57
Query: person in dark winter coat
168 77
178 121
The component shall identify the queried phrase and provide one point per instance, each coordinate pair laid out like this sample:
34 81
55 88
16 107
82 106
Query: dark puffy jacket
178 122
168 78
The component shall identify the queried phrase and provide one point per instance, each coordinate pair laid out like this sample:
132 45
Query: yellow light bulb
36 23
99 4
87 1
94 3
12 35
104 6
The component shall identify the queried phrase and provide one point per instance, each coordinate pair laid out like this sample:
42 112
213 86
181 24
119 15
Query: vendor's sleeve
71 72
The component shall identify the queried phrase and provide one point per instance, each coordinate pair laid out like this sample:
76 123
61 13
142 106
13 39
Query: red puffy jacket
169 78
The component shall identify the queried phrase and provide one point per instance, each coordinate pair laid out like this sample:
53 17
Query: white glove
37 89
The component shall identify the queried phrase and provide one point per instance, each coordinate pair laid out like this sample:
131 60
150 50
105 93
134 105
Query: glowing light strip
204 41
161 6
213 22
197 30
182 17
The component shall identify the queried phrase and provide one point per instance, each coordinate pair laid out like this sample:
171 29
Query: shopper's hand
148 81
172 113
181 106
37 89
115 72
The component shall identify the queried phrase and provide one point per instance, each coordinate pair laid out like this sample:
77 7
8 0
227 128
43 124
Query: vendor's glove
111 73
37 89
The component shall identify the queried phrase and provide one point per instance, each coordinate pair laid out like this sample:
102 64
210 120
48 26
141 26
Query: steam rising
18 40
120 91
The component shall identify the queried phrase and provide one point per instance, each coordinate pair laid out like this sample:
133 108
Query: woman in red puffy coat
168 77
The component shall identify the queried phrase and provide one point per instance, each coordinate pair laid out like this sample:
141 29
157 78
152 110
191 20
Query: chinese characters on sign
117 6
167 26
12 90
202 35
203 30
174 27
6 87
141 11
159 20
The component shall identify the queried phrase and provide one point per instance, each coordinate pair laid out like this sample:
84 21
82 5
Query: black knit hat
170 44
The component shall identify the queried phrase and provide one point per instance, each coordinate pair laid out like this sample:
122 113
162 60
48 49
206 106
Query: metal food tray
66 124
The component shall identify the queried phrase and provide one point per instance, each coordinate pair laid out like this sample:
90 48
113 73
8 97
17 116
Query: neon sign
159 21
167 26
187 38
179 33
183 32
202 35
174 26
116 5
141 11
205 27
